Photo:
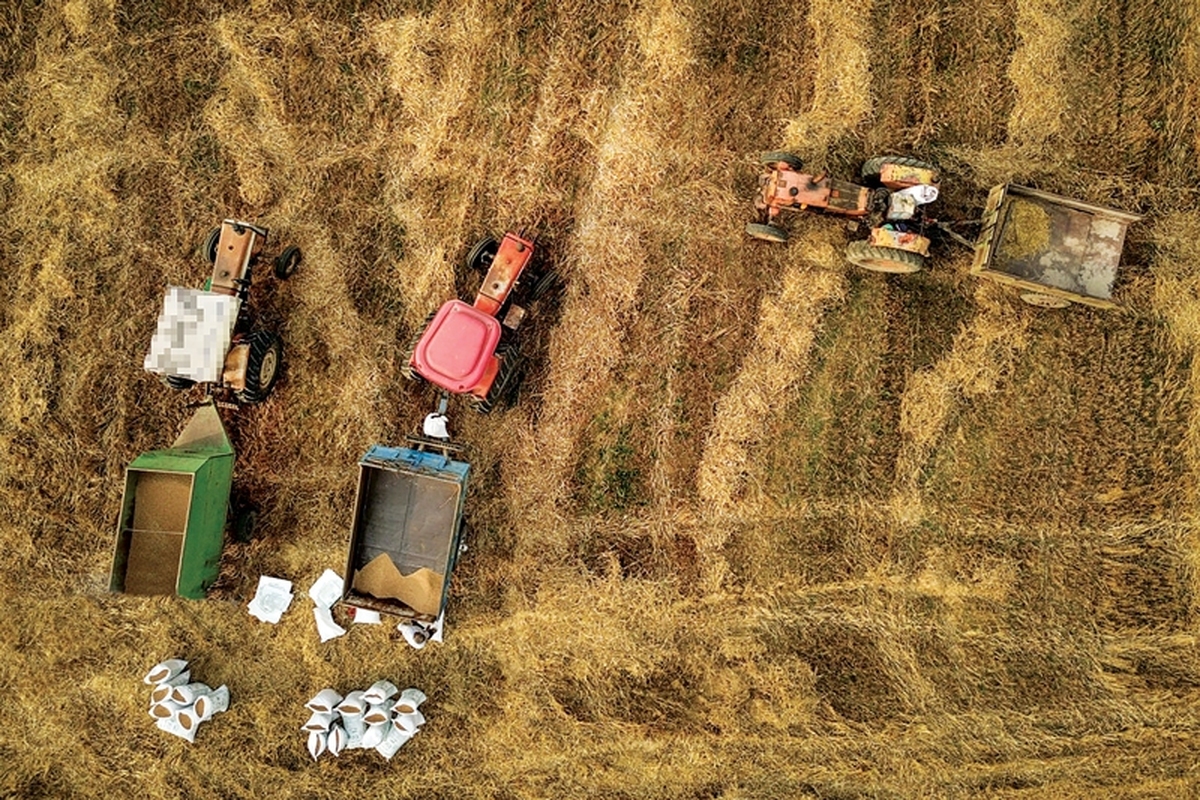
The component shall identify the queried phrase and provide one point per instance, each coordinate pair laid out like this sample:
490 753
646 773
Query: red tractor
896 188
473 349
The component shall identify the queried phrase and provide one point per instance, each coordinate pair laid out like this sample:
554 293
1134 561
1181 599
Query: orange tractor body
897 187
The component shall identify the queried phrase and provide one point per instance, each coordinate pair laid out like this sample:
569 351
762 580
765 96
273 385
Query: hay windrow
982 354
1037 70
841 99
683 578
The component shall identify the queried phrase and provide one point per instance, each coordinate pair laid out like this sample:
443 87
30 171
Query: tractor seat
457 347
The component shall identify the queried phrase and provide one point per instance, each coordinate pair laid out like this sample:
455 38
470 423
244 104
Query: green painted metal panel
172 523
205 537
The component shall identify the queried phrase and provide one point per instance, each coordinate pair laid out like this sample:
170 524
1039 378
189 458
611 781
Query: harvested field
759 524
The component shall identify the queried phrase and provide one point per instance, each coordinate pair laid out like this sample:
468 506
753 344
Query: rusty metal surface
780 189
902 176
511 259
899 240
1055 242
238 244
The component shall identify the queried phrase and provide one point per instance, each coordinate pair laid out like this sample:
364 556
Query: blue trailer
406 533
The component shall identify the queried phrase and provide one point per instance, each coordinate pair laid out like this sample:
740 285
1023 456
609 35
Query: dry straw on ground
685 577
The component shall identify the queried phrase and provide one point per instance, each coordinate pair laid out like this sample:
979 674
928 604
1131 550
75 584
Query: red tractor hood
457 347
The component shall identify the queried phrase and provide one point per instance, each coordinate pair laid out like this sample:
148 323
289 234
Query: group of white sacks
382 718
177 705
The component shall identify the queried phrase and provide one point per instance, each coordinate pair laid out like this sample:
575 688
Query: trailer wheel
775 156
768 233
873 167
883 259
406 367
482 254
286 263
263 366
244 522
1044 300
208 248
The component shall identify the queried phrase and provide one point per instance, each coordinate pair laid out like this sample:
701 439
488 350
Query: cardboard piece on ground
420 591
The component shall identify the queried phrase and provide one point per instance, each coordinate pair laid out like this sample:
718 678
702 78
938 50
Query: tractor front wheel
768 233
286 263
872 168
208 248
775 156
178 383
263 366
883 259
1044 300
482 254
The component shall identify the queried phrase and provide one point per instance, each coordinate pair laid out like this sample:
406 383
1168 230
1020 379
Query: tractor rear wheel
775 156
873 167
482 254
406 367
883 259
208 248
507 378
263 366
286 263
768 233
1044 300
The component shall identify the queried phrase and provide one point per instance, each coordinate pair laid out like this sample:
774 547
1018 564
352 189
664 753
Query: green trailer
172 524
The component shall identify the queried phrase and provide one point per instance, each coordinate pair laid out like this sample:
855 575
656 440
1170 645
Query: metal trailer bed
1056 250
406 532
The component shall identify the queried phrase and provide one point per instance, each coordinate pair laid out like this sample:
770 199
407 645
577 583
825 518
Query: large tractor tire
286 263
775 156
883 259
873 167
1044 300
507 379
208 248
406 368
263 367
482 254
768 233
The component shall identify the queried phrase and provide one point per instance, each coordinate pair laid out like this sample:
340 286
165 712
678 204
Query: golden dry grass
760 525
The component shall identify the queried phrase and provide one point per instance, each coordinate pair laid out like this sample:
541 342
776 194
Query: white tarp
195 330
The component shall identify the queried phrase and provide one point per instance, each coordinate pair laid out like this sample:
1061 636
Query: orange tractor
207 336
473 349
890 203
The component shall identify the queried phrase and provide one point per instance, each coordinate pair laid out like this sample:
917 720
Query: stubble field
759 525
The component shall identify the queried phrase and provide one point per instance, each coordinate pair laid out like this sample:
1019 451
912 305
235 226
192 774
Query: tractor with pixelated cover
474 349
254 359
889 201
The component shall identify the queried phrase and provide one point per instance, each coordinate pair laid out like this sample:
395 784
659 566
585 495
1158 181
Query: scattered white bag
327 590
273 597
